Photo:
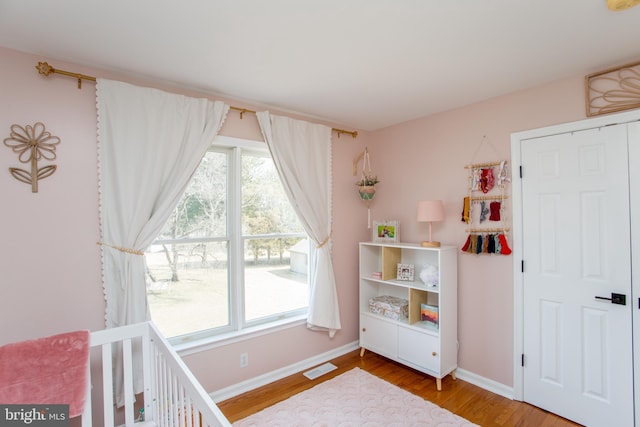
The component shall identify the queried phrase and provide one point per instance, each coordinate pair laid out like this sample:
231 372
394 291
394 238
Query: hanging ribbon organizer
483 208
367 182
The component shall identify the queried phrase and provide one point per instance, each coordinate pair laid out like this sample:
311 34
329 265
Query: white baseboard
485 383
269 377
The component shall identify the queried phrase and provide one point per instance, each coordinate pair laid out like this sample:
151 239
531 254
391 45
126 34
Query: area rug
355 398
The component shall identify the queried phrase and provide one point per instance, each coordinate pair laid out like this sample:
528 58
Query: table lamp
430 211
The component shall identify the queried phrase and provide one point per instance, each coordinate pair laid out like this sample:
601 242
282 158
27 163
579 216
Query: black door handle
620 299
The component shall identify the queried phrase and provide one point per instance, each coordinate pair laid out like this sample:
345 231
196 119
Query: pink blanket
50 370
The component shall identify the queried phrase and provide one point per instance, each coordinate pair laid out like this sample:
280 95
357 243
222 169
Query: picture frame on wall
386 231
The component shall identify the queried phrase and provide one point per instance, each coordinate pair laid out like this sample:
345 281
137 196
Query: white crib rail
172 395
185 400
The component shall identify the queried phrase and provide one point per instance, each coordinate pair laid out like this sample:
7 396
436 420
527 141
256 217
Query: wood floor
471 402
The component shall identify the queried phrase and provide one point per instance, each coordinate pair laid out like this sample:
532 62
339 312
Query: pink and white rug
355 398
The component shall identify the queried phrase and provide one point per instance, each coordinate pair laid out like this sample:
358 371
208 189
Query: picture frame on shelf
386 231
405 272
430 314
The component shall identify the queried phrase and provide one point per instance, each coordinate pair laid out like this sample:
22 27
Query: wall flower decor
33 144
613 90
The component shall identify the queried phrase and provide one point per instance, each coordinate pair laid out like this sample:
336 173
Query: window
233 254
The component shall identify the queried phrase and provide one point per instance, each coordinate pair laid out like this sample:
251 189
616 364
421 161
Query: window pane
265 206
188 283
202 210
275 277
187 286
275 265
271 287
228 239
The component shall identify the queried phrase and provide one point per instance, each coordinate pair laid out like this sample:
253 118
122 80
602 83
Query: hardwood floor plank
467 400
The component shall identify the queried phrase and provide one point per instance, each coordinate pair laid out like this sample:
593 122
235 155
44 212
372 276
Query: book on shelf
429 314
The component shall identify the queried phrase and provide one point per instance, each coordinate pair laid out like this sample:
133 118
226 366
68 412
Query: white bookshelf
422 345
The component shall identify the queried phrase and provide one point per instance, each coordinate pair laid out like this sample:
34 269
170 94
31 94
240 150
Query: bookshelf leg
361 351
439 384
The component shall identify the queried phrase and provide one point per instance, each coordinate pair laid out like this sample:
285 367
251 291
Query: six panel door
576 247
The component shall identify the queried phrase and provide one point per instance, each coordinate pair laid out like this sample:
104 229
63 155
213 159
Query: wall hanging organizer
32 144
484 210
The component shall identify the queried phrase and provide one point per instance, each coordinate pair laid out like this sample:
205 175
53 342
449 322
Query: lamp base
426 244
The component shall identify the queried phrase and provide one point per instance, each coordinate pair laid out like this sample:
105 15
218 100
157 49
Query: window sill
204 344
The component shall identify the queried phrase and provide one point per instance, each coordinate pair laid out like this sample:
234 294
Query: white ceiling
363 64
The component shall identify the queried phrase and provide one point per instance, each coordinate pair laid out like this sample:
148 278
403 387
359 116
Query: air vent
320 370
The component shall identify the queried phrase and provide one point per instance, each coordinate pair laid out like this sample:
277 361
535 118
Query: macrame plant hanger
367 182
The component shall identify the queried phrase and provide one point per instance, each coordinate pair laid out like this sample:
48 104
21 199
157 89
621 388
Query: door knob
620 299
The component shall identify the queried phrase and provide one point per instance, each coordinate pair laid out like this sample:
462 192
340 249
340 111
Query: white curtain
150 144
301 152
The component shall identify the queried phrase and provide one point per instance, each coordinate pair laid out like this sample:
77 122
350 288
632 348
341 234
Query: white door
634 179
578 359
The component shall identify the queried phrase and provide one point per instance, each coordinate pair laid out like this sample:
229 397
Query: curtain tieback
121 249
325 241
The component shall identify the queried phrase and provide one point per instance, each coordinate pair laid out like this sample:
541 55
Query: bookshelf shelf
426 341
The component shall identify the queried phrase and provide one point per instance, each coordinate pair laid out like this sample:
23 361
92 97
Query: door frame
634 206
516 188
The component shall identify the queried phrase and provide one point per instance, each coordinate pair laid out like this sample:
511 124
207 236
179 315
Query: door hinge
522 360
522 266
520 171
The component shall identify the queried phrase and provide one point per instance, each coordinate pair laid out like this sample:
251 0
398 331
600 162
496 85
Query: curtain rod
353 133
45 69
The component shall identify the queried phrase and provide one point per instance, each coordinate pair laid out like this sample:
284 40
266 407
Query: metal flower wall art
33 144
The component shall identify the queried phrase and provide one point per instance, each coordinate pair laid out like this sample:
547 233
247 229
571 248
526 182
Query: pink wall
50 263
425 159
49 258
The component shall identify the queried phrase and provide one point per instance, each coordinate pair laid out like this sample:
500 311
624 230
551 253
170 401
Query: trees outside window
233 253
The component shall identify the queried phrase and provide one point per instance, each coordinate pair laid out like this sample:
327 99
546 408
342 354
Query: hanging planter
367 192
367 182
367 189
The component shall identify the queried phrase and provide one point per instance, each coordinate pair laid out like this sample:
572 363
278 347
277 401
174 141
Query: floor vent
320 370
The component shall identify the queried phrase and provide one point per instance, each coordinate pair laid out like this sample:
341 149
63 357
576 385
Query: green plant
367 180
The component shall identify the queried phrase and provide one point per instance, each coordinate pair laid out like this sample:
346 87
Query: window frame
238 327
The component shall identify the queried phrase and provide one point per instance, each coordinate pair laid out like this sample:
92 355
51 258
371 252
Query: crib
172 396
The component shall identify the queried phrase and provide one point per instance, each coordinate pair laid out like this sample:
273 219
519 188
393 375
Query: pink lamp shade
430 211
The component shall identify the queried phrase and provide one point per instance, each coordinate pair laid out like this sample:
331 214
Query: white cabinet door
379 336
420 349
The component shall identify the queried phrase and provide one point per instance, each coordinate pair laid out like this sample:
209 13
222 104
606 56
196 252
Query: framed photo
386 231
430 314
405 272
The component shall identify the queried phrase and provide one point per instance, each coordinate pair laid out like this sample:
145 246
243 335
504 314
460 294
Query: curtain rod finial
44 68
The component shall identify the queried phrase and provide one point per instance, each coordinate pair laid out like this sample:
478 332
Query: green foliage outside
202 213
